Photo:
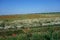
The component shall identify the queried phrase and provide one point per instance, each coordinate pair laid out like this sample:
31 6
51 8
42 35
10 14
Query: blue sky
28 6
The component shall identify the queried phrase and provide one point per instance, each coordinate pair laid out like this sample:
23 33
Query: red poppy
14 35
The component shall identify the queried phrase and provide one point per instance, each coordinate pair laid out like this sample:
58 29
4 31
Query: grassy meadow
44 26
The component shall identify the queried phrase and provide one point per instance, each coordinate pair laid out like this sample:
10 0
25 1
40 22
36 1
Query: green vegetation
42 32
45 33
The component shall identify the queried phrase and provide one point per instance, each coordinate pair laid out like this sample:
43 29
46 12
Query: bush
11 38
22 37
